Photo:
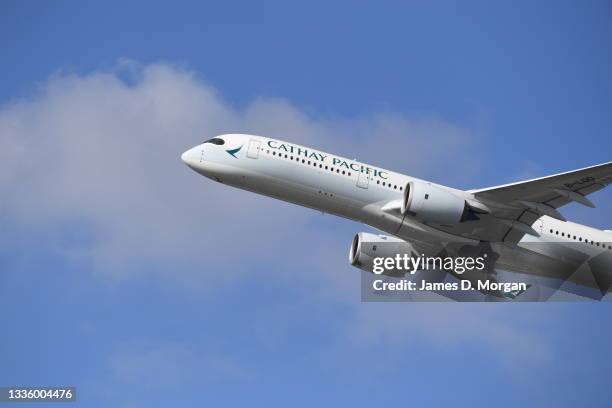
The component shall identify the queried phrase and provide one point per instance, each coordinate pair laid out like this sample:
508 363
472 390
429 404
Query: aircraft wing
545 189
518 205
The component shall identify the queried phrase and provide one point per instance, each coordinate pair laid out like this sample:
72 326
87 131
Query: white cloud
97 156
145 366
101 153
452 327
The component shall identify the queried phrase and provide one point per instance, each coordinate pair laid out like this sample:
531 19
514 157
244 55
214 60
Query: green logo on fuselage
233 152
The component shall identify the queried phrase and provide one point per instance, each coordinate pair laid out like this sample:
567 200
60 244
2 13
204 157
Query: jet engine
365 247
433 204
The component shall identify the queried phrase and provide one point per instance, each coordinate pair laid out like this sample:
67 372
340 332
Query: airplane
517 225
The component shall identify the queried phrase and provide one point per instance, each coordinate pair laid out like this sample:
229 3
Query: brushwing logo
233 152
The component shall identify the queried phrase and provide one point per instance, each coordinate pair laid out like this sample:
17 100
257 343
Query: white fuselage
351 189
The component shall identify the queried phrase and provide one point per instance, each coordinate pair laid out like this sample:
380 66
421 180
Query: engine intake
434 204
365 247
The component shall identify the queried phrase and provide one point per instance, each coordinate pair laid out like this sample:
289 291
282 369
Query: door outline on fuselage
363 180
253 149
538 225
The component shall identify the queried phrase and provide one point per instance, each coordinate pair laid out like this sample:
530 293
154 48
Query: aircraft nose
185 156
190 157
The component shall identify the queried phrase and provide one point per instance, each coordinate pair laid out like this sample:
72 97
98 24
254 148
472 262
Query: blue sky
126 275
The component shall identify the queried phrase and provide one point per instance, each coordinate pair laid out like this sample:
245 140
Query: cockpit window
216 140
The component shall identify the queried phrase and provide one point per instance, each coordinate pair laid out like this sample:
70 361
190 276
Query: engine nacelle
433 204
365 247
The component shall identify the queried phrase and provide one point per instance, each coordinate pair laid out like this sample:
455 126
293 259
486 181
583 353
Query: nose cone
191 157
